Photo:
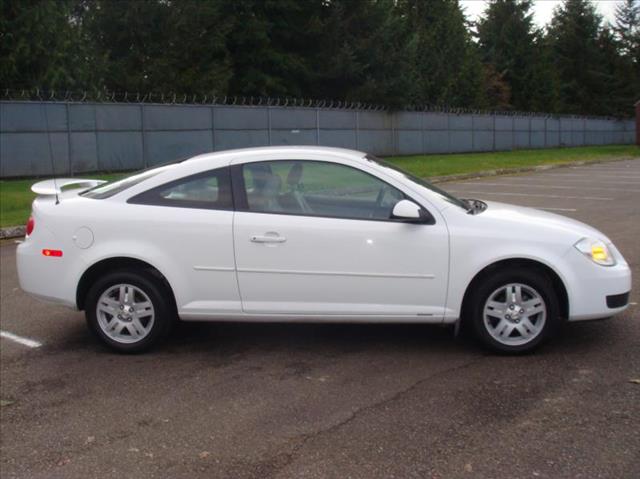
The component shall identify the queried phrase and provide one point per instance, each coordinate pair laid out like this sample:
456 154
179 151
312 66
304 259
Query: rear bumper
45 278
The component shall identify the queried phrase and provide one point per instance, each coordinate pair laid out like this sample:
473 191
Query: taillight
30 225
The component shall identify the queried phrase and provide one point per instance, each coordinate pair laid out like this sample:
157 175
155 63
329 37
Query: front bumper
618 300
597 291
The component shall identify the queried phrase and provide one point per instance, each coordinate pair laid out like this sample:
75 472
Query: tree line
389 52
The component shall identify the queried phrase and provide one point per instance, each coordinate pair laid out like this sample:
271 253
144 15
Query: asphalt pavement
315 401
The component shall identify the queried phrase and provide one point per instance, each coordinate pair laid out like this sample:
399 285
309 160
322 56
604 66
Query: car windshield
106 190
419 181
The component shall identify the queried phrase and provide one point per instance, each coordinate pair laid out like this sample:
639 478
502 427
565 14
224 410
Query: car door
188 226
316 238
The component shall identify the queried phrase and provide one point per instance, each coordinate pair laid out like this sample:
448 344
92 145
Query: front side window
316 188
208 190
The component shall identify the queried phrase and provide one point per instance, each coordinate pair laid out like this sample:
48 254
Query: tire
130 311
514 312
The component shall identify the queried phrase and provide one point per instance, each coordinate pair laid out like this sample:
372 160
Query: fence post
560 132
424 150
357 131
637 123
213 128
95 131
493 147
269 124
144 143
394 149
318 126
448 131
69 139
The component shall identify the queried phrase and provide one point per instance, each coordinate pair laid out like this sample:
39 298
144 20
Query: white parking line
607 168
529 185
588 183
532 195
594 177
31 343
632 170
624 174
553 209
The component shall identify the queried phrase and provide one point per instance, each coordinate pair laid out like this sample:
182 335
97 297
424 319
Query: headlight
596 251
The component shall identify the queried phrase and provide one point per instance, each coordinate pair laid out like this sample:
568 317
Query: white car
309 234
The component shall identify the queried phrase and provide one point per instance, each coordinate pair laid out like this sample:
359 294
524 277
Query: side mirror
407 210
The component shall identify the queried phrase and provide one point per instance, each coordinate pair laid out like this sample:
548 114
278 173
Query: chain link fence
78 133
111 96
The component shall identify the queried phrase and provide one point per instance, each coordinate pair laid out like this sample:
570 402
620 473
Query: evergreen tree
627 31
197 58
497 89
391 52
157 46
42 46
617 98
272 43
447 66
509 42
364 55
545 86
578 59
627 28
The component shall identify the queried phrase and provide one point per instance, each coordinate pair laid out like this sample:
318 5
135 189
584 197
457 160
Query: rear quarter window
207 190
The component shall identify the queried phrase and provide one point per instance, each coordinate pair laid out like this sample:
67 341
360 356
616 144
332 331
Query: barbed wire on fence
111 96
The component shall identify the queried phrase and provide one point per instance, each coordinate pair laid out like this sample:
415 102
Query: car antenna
53 168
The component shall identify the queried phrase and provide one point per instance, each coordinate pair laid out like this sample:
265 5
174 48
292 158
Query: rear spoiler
54 187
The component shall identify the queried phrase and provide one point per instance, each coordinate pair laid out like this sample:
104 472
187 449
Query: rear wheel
130 311
514 312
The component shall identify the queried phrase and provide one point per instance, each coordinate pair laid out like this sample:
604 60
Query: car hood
538 221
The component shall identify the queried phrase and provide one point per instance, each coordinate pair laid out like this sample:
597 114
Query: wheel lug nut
511 306
122 306
119 316
521 311
508 316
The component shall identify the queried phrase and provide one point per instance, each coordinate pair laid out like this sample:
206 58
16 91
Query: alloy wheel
514 314
125 313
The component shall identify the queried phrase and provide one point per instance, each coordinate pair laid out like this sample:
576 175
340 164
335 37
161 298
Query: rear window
111 188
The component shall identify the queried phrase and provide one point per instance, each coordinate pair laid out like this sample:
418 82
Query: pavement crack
278 462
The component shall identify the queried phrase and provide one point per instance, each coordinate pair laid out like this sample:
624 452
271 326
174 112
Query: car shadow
333 339
327 339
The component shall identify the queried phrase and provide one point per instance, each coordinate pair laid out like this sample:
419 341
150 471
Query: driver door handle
268 238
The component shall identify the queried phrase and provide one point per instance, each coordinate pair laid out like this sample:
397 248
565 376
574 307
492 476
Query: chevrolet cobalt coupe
309 234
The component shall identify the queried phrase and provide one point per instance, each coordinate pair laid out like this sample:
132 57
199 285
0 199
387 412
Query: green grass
16 196
440 165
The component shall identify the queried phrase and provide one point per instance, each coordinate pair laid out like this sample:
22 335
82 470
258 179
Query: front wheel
129 311
514 312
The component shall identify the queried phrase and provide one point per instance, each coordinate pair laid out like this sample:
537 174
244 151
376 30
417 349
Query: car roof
220 156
